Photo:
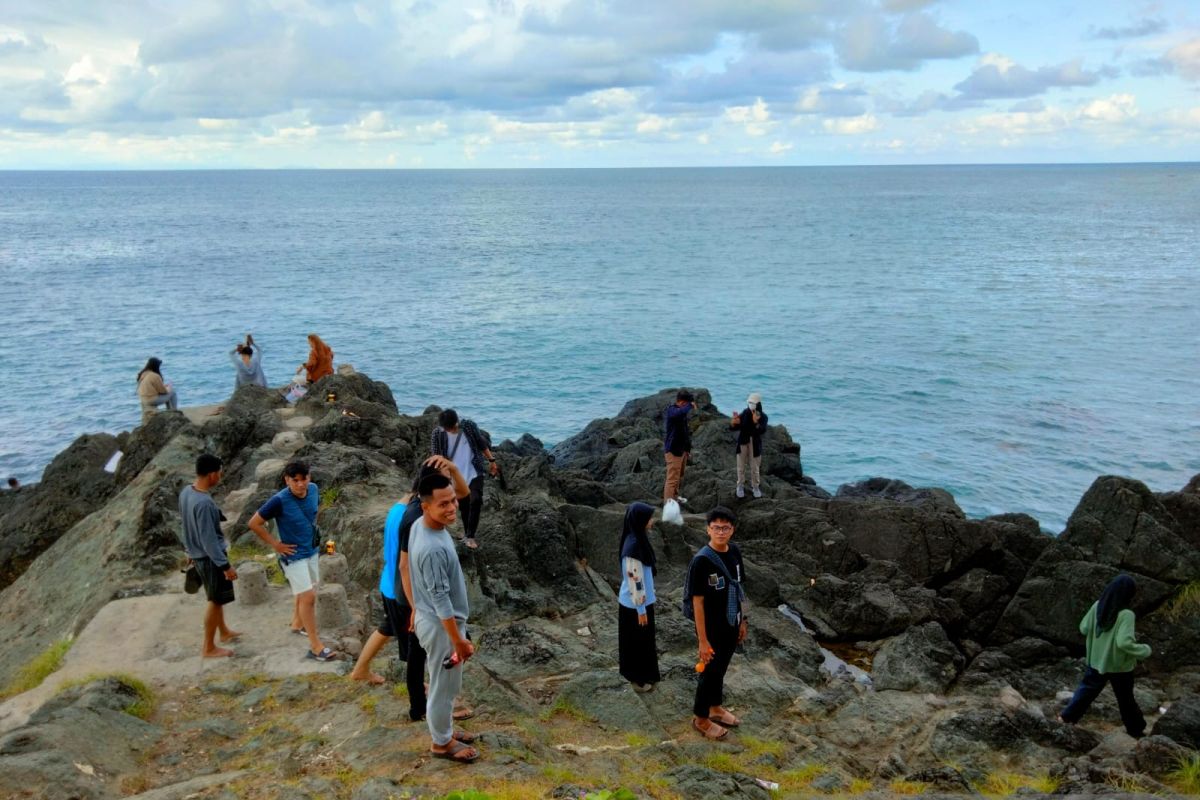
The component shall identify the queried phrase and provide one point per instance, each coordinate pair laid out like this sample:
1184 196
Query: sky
136 84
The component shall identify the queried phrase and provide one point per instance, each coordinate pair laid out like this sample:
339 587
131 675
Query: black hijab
1115 598
634 542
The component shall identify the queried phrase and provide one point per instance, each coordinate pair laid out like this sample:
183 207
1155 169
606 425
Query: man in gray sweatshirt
206 548
439 594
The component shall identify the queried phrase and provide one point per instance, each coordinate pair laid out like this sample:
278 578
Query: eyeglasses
721 528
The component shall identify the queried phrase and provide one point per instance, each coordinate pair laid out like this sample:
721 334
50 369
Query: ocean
1005 332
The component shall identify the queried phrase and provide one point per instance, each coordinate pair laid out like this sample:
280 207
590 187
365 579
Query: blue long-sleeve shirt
677 439
637 585
248 373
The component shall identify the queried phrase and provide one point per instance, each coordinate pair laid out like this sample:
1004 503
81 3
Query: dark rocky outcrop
35 517
922 659
1181 723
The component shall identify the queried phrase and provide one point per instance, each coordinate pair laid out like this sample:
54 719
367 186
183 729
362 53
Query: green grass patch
38 668
1185 604
400 691
1185 778
761 747
908 788
565 708
638 740
141 707
330 496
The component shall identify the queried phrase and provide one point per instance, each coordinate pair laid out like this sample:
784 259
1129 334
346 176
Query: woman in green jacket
1112 653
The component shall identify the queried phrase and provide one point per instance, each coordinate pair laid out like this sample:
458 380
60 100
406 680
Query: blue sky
591 83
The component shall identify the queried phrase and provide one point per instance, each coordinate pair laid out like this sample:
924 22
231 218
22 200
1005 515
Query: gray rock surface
922 659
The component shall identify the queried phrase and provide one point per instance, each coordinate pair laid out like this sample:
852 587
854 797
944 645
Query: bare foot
217 652
231 636
374 679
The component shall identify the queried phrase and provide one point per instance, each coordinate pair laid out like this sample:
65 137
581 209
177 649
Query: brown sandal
713 731
726 719
458 752
463 736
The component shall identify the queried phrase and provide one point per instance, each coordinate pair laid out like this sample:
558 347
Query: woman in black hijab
638 653
1112 653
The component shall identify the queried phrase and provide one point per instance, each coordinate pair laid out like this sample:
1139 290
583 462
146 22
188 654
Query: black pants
711 689
414 676
1090 688
637 651
470 506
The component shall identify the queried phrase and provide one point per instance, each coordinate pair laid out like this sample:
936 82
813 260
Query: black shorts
217 588
395 618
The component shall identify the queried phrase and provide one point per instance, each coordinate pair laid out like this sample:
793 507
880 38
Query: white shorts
302 575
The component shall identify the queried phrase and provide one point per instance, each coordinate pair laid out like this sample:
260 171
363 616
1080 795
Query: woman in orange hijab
320 359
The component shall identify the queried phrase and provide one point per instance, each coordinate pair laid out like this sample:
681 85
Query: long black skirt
638 655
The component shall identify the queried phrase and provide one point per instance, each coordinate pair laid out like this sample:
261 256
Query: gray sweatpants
444 684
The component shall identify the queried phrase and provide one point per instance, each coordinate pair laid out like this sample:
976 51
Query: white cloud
779 148
875 43
998 76
755 119
851 126
1185 58
1117 108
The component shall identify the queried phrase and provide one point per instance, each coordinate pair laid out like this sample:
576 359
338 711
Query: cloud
779 148
1144 27
1185 59
1103 114
998 77
23 45
851 126
833 101
755 119
875 43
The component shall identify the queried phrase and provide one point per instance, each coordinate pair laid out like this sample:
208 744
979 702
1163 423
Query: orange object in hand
699 666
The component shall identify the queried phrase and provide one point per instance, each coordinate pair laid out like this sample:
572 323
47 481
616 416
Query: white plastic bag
671 513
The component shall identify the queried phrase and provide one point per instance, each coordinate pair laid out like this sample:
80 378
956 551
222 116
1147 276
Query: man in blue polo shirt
294 509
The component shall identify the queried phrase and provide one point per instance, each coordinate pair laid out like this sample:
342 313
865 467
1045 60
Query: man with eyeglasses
294 508
718 601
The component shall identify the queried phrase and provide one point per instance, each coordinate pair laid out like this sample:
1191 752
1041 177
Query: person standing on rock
750 424
153 392
1112 653
207 549
397 606
677 443
462 442
294 508
320 360
439 594
247 364
714 588
636 640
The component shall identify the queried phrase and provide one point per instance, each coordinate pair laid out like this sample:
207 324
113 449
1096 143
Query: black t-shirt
709 582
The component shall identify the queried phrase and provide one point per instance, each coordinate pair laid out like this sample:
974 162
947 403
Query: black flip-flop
453 753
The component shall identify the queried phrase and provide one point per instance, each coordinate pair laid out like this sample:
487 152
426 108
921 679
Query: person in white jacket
638 653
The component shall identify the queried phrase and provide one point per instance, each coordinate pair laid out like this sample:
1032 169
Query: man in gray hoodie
206 547
439 594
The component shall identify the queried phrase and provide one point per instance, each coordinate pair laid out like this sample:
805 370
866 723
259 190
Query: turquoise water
1008 333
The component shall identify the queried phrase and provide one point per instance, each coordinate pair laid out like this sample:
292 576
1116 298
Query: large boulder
73 486
922 659
928 499
1181 723
345 388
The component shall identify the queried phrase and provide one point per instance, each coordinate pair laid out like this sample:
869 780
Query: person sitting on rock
294 507
1112 653
636 645
677 443
247 364
714 588
467 446
439 595
397 607
320 360
206 547
153 392
750 424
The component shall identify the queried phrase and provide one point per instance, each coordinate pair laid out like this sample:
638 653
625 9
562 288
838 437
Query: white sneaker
757 492
741 490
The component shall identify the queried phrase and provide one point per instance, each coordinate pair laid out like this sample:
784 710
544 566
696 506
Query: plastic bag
672 513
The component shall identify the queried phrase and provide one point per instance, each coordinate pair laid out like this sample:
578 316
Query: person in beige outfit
153 392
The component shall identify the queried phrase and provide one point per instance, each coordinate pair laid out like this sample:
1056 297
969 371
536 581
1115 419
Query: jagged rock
609 699
861 608
1158 755
929 499
921 659
528 446
1181 723
695 782
143 443
72 486
73 741
1034 667
346 388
